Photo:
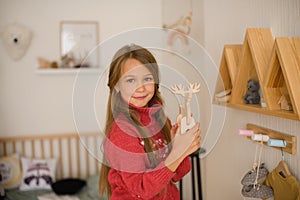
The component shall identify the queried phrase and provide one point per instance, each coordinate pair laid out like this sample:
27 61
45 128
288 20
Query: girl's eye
147 79
130 80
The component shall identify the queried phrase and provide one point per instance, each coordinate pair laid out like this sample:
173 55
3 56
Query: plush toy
252 96
285 103
16 39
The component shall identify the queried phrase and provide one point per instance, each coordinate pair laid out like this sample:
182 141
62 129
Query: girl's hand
183 145
186 143
174 130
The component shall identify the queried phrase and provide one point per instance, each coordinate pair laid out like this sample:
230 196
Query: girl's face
136 84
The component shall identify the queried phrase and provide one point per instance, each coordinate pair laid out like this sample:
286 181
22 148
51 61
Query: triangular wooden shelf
228 67
257 48
275 64
283 77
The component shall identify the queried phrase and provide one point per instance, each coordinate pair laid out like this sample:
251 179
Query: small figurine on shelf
68 61
252 96
285 103
45 64
223 97
185 116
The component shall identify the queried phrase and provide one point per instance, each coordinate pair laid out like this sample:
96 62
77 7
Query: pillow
37 173
68 186
10 171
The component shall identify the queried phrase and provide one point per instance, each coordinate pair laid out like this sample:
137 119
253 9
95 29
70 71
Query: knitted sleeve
125 153
183 169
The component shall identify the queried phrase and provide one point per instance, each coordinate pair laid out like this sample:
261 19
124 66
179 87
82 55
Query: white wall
38 104
225 22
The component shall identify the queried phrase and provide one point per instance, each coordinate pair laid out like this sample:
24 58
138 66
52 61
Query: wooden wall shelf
265 111
283 77
229 67
253 63
68 71
274 63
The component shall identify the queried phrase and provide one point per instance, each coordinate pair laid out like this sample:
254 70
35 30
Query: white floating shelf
69 71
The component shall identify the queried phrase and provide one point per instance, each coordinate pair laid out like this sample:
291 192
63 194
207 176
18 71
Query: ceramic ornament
185 116
16 39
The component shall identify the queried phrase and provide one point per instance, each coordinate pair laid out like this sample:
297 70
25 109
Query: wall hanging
179 25
78 40
16 39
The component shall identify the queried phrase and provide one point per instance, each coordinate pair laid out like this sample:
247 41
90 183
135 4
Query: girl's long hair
116 105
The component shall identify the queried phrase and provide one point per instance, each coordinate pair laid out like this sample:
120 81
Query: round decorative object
16 40
10 170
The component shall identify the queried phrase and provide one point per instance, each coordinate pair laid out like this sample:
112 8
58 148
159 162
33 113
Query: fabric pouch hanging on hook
250 176
252 180
258 173
257 191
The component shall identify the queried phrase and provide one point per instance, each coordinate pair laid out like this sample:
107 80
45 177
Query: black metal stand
195 156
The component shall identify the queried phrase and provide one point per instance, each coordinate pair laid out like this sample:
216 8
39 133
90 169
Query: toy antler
187 94
178 89
194 87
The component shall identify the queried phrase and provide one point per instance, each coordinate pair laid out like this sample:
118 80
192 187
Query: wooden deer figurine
185 116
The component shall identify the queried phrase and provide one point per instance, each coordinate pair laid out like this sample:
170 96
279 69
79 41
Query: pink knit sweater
131 176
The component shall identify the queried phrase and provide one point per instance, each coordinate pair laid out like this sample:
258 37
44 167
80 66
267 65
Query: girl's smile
140 98
136 84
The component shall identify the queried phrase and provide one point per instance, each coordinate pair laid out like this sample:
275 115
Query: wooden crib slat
87 159
14 146
51 148
78 157
4 149
69 157
1 149
42 148
54 146
60 158
23 148
95 160
32 149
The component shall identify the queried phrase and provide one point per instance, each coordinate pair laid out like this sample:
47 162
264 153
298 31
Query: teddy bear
252 96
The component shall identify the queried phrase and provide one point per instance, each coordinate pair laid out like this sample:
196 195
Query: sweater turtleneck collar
152 107
146 113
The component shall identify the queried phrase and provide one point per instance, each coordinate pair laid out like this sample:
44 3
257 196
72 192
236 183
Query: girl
144 155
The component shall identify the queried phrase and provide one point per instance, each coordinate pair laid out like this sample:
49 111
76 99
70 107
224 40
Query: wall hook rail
290 141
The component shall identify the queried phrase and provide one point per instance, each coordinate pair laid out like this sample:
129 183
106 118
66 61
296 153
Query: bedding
76 157
88 192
